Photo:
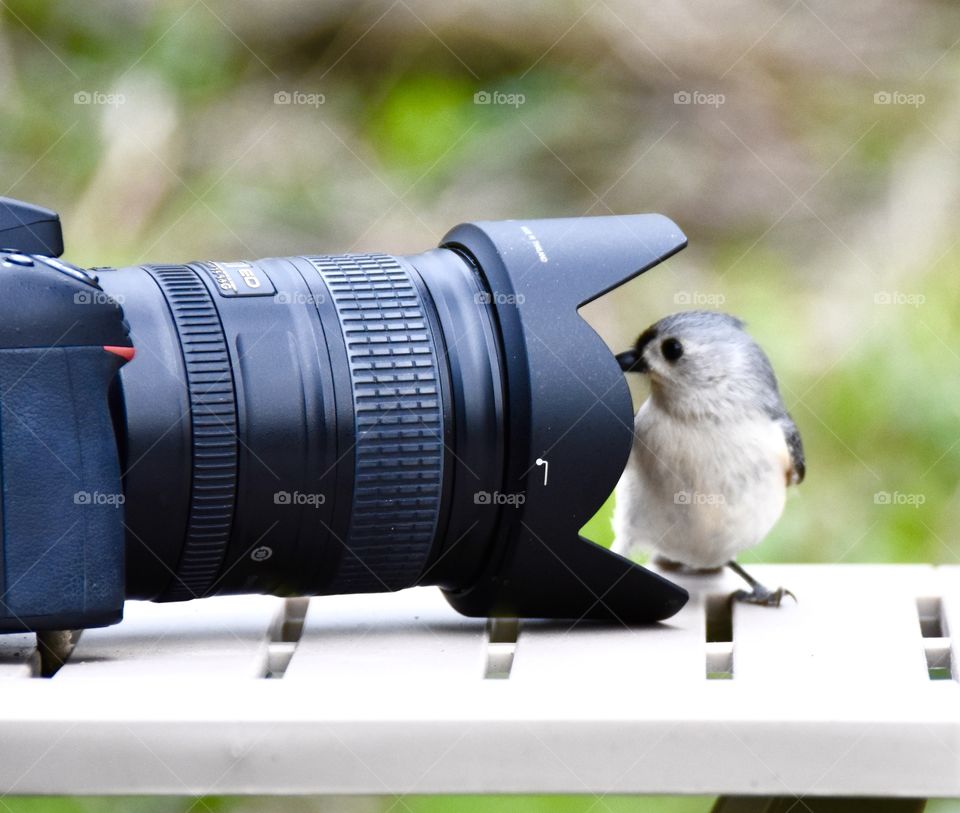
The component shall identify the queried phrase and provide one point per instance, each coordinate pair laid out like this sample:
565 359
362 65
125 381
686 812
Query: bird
714 449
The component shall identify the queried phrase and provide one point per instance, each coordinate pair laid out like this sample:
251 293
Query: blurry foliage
406 804
806 203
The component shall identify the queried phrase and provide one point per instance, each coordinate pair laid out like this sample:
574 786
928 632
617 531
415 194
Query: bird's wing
797 467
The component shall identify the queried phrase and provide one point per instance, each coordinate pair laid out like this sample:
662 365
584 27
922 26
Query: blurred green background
810 150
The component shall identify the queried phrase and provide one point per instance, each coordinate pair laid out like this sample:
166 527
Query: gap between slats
937 644
502 636
285 636
718 625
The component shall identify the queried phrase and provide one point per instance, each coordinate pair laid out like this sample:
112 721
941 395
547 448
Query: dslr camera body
318 424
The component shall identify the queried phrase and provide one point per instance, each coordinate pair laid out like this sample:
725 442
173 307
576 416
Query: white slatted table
398 694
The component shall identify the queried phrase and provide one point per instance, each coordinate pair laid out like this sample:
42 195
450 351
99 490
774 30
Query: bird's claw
763 596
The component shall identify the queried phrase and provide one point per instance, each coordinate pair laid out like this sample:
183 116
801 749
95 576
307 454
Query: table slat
211 639
411 635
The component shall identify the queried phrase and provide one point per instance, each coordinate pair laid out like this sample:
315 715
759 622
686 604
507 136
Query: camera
318 424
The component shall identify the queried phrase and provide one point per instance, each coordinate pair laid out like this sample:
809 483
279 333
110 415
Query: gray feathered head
704 364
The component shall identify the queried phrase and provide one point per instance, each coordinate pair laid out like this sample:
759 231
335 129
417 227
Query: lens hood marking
398 416
213 418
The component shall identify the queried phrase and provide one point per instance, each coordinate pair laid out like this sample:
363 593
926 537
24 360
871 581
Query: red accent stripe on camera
126 353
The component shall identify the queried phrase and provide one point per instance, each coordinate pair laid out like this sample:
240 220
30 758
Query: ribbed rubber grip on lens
399 424
213 418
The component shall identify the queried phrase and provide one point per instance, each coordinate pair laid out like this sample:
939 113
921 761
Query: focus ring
398 422
213 419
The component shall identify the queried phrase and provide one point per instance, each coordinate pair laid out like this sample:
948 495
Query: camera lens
304 425
368 422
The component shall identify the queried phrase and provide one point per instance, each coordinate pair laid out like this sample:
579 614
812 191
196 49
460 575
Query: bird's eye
671 349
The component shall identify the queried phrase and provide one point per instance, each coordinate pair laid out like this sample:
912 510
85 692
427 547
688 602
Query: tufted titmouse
714 448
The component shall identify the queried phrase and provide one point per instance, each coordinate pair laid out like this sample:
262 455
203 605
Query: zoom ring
398 417
213 418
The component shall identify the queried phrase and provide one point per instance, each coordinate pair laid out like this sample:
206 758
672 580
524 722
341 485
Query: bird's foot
757 594
763 596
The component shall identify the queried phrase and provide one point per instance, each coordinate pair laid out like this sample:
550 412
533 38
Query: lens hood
569 419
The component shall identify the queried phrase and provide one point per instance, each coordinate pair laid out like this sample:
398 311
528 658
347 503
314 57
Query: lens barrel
299 425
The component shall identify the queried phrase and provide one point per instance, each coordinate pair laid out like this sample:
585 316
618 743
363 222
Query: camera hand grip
62 502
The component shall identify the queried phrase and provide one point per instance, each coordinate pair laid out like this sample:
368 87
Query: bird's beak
631 361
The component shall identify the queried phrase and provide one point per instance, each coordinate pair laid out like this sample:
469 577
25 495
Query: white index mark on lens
546 468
